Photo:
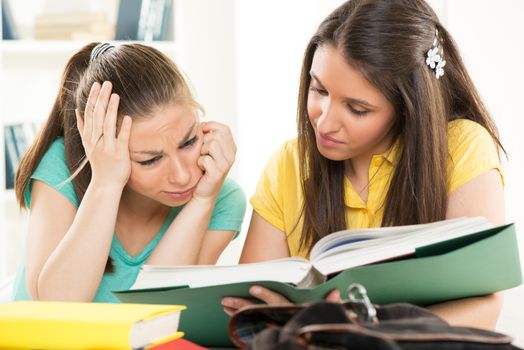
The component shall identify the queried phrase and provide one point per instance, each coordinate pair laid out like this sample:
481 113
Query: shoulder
55 153
284 159
230 207
53 171
469 138
472 151
289 149
465 130
231 190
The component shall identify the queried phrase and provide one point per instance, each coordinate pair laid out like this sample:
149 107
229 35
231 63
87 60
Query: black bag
354 324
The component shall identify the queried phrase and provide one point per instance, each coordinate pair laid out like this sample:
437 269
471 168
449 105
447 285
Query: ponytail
60 123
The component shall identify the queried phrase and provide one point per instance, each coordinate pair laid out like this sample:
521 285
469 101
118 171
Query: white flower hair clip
435 57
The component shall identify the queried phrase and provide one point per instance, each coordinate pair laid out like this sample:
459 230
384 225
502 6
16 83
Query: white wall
490 38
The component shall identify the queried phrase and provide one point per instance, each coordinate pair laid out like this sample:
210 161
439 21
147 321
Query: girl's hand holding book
231 305
107 152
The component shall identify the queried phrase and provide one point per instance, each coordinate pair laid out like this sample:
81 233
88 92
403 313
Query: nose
178 172
327 122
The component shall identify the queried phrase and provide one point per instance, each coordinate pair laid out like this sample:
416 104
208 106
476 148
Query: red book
177 344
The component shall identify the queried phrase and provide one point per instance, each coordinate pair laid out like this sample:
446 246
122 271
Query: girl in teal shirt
123 173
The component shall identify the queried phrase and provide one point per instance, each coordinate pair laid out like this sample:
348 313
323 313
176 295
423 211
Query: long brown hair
142 76
387 40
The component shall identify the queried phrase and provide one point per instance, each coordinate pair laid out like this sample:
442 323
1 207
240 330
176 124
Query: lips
328 142
327 138
181 194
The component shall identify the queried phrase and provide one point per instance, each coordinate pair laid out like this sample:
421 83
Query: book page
287 270
345 256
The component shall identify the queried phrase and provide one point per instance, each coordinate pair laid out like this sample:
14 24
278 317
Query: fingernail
227 302
255 290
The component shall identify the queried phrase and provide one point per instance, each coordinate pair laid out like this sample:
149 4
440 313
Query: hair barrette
99 50
435 57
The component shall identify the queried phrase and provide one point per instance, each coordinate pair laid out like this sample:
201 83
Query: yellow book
66 325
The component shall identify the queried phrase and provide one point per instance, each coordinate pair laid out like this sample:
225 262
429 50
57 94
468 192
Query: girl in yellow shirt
391 131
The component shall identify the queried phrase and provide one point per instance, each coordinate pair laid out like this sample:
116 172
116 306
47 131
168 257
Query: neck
357 168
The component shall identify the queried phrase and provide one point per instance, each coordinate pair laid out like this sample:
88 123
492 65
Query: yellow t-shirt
278 197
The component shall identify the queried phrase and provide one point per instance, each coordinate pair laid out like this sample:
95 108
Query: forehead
337 75
174 120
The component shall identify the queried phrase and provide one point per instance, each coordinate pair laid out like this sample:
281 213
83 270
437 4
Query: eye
318 90
149 161
358 112
189 142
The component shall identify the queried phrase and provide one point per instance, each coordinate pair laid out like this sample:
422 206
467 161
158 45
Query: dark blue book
127 20
8 25
11 157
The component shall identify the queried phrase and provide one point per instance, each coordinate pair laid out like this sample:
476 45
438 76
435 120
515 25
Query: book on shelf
9 31
73 26
68 325
143 20
421 264
17 139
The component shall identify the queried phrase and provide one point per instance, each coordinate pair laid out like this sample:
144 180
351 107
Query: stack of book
86 26
68 325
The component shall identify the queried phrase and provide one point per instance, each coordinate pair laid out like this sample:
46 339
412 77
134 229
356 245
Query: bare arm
67 253
263 242
187 241
482 196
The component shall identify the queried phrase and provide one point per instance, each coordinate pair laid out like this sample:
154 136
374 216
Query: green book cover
472 265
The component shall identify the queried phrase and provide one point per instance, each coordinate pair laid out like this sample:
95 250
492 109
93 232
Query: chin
333 155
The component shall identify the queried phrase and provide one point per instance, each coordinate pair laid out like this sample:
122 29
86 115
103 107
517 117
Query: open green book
421 264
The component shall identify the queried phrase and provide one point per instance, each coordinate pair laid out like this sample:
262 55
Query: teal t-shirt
228 214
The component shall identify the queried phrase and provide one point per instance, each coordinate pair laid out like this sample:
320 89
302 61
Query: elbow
495 302
40 290
492 306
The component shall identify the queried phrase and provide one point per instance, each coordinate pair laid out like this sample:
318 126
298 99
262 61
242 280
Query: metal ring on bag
358 294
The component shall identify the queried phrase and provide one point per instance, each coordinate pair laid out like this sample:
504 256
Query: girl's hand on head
107 152
217 155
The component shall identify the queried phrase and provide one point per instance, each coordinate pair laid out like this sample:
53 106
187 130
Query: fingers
334 296
125 132
109 127
99 113
217 146
214 149
268 296
79 122
233 304
89 110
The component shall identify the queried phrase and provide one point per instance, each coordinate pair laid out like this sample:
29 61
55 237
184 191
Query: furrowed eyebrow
152 153
347 99
188 135
155 152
